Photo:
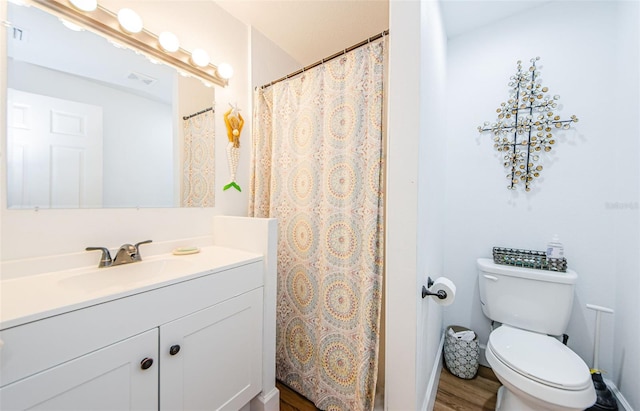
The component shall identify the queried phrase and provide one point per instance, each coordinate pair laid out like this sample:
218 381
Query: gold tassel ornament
234 122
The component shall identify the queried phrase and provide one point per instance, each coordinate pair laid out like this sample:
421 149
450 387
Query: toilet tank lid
487 265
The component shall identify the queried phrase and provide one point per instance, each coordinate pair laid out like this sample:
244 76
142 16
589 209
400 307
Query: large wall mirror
90 124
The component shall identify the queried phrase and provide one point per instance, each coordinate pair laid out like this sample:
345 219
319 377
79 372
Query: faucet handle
143 242
105 259
137 245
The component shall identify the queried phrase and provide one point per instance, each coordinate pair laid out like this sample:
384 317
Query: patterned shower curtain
198 168
317 167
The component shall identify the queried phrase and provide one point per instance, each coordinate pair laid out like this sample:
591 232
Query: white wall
401 235
431 191
46 232
269 62
588 190
414 195
626 337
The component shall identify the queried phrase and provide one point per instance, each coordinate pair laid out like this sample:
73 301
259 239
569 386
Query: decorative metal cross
525 125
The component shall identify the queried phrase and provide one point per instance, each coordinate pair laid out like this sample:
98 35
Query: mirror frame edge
4 175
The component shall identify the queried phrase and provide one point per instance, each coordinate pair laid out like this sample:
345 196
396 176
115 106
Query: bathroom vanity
168 333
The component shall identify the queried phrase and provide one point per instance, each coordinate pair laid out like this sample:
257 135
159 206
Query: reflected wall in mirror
90 124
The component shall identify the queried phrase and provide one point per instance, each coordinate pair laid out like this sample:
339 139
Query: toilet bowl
538 372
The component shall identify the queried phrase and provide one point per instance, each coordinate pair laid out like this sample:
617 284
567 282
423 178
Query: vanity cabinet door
111 378
212 359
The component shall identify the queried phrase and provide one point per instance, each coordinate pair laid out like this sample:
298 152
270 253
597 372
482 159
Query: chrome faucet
126 254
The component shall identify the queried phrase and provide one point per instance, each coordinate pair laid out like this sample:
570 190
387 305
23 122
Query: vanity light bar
106 23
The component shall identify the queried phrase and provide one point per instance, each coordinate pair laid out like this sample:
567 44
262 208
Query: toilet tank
535 300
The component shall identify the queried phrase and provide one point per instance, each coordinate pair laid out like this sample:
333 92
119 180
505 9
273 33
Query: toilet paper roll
442 283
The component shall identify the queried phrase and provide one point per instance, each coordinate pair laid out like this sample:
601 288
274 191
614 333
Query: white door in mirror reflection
54 152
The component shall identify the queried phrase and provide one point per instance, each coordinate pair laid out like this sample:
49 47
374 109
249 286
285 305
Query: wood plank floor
454 394
292 401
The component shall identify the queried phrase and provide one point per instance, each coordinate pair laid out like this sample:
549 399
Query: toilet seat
539 357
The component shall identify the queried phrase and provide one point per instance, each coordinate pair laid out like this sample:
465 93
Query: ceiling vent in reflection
142 78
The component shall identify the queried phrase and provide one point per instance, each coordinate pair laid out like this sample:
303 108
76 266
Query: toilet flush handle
490 277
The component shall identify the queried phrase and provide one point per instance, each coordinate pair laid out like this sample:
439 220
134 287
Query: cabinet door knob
174 349
146 363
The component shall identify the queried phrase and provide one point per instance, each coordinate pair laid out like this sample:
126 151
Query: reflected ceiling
31 40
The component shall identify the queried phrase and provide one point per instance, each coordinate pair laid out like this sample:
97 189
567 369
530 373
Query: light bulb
129 21
84 5
116 44
169 42
225 71
70 25
200 58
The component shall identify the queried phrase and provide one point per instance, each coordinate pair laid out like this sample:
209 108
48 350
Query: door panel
219 365
54 152
107 379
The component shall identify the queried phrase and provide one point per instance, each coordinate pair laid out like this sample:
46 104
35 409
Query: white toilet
536 370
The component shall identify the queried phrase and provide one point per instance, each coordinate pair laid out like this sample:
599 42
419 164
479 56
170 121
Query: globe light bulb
225 71
70 25
84 5
129 21
200 58
169 42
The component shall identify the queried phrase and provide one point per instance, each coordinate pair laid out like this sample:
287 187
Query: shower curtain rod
195 114
331 57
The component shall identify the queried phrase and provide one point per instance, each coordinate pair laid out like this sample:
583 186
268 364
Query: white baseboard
623 404
432 389
268 402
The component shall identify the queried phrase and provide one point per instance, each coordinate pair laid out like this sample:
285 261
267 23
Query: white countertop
34 297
